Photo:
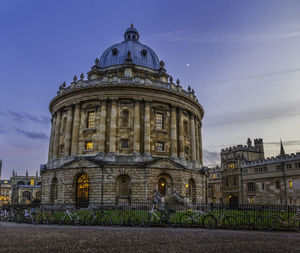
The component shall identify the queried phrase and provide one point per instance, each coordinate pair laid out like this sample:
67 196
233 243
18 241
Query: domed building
125 133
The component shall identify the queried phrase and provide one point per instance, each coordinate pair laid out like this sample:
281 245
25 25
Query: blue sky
241 57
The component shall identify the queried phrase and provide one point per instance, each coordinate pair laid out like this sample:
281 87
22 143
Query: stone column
68 133
181 135
50 153
193 137
173 132
136 127
56 134
102 126
197 139
113 126
75 131
147 123
200 143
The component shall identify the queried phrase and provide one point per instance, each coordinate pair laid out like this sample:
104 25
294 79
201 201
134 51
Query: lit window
31 181
89 145
251 200
213 176
91 120
124 143
291 184
162 187
160 146
159 121
231 165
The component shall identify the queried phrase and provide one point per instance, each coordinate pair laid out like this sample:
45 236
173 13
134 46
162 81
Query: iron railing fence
207 215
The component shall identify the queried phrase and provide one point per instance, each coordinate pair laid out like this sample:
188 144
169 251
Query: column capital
147 101
114 100
138 100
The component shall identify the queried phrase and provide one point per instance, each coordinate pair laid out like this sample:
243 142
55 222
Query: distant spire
26 173
282 152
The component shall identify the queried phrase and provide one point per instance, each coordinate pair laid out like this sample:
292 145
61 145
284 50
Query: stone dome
131 49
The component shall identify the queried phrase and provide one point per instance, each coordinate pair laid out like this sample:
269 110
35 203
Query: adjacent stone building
124 133
25 189
274 180
5 192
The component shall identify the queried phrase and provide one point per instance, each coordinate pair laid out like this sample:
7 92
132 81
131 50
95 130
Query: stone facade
274 180
124 128
5 192
215 185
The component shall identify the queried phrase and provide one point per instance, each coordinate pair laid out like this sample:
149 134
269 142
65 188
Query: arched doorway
83 185
54 190
162 186
123 189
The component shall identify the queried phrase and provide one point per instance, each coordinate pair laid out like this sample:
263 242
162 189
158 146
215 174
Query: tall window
159 121
91 120
125 118
186 127
83 188
27 195
251 187
162 186
291 184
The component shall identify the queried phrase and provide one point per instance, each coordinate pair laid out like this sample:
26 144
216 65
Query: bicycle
46 217
96 217
163 217
70 217
129 216
278 221
210 221
26 216
192 217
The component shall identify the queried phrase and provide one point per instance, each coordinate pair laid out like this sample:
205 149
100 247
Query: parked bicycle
98 216
25 216
211 221
46 217
162 217
192 217
279 221
70 217
126 216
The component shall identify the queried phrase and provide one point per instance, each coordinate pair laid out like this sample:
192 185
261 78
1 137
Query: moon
188 65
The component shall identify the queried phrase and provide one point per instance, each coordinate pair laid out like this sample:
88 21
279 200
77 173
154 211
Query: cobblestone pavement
41 238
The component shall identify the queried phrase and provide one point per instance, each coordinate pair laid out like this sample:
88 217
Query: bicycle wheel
51 219
32 219
19 217
186 220
274 221
147 220
295 225
136 220
62 219
209 221
39 219
89 219
228 222
105 220
263 223
169 220
117 219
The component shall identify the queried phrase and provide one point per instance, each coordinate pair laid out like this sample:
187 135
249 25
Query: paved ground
30 238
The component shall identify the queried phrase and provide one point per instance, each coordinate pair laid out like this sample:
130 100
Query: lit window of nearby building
159 121
31 181
251 200
213 176
89 145
91 120
291 184
160 146
231 166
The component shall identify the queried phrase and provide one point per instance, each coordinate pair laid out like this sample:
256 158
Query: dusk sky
241 57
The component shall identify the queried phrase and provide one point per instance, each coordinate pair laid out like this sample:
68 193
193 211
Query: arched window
186 127
54 190
125 118
162 186
123 186
83 185
192 189
26 196
38 195
20 183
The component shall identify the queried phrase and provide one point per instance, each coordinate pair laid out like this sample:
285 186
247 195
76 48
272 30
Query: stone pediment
165 163
80 162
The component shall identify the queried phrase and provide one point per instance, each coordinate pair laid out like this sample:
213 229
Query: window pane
89 145
159 121
91 120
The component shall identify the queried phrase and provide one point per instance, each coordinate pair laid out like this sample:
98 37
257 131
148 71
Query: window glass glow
89 145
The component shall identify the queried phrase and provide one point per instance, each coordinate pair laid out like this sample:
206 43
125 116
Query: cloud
24 116
261 75
33 135
211 158
224 38
285 143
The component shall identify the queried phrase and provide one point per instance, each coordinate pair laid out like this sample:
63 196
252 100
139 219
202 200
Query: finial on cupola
171 79
81 76
131 25
75 79
96 61
177 81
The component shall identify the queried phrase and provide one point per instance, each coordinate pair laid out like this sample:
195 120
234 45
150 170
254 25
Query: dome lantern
131 34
